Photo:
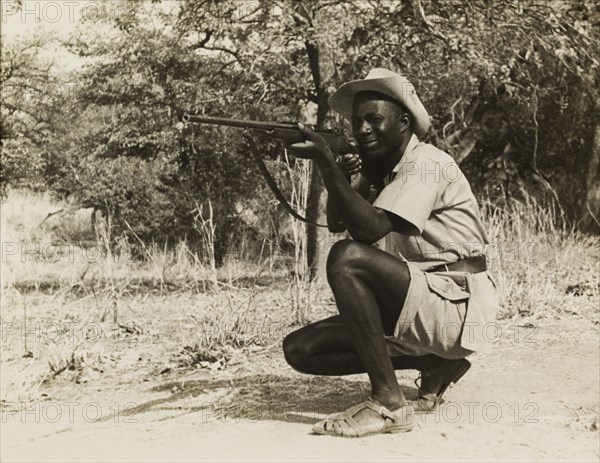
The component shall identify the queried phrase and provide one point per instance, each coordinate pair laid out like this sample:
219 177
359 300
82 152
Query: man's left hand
313 146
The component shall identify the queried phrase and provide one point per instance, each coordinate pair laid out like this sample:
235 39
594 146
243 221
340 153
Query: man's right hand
350 164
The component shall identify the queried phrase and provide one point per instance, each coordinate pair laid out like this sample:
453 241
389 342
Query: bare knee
294 351
345 257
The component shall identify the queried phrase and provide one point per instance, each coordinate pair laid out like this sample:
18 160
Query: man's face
377 125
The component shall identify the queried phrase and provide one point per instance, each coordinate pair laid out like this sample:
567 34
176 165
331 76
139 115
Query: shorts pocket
446 287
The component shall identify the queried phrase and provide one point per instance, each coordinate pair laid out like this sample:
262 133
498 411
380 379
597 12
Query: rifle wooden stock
289 133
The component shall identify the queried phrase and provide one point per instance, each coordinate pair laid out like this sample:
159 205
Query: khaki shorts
445 313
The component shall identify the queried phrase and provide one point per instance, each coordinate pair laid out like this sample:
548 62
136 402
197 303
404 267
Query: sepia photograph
299 230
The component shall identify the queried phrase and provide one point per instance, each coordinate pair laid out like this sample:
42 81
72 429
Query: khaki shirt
428 189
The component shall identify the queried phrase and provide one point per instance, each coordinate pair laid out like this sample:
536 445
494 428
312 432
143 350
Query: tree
130 157
495 76
32 106
511 87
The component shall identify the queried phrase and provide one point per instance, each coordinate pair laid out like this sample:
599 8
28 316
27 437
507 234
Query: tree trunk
316 199
316 239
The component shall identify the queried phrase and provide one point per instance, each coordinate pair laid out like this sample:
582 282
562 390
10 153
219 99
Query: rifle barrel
256 125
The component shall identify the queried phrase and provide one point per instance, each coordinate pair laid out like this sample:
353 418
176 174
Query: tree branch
235 54
204 41
430 26
315 70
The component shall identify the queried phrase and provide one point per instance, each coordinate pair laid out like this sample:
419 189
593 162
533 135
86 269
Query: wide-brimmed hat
389 83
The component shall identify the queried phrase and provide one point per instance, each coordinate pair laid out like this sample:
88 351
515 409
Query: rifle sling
273 186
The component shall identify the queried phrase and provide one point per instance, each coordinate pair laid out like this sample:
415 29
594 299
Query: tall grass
46 243
300 176
38 232
544 267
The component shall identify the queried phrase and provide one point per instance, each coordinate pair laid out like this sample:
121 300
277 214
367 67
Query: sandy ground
536 397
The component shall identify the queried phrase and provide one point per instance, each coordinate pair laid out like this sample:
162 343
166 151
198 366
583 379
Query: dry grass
72 308
543 269
59 251
74 312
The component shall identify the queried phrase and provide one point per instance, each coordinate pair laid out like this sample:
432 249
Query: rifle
336 139
289 133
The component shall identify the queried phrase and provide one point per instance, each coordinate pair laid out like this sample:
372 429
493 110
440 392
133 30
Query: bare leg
370 287
326 348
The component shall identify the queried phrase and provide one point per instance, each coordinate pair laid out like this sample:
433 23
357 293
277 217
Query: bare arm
359 184
364 222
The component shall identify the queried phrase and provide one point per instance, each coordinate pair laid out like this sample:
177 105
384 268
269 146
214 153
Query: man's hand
349 163
313 146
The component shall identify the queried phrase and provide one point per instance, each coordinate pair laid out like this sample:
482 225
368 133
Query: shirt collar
412 144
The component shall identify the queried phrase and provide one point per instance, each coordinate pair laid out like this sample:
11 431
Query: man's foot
366 419
434 383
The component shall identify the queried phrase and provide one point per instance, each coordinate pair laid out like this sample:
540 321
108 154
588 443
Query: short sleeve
413 193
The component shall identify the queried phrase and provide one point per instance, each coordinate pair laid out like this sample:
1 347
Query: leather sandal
428 402
343 424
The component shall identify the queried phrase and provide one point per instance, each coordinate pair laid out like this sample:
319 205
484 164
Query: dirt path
536 397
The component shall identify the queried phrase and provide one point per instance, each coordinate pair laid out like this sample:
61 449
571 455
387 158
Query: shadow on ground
258 398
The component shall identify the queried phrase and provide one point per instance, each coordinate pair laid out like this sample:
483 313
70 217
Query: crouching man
423 303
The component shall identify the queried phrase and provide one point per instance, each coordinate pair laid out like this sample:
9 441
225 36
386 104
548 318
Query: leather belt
474 264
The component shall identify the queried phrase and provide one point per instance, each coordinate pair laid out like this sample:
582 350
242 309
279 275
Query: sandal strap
348 415
419 378
383 411
429 396
350 412
400 420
